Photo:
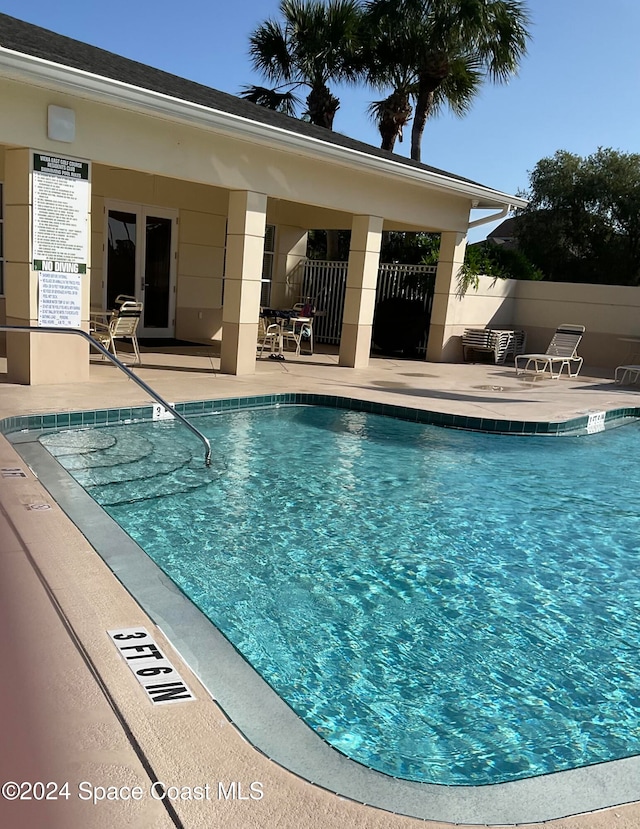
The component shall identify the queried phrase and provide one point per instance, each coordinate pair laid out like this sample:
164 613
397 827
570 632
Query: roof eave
41 72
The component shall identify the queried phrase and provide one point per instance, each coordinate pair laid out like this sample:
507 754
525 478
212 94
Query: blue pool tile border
128 414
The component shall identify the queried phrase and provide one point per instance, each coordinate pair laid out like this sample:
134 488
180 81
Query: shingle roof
26 38
505 230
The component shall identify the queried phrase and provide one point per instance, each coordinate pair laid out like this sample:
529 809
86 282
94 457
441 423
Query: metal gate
324 285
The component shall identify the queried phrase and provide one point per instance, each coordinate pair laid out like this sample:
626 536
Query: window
1 244
267 264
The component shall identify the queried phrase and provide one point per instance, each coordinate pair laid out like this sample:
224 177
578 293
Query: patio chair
122 324
268 334
122 298
303 331
296 330
561 351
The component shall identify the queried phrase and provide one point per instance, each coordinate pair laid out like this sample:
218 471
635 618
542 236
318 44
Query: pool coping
263 718
582 424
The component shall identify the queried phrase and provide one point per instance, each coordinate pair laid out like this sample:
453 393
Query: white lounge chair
561 352
627 374
502 343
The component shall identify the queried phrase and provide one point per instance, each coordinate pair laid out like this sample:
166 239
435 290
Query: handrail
46 329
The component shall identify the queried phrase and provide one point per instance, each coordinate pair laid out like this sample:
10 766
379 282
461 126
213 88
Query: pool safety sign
160 680
596 422
61 201
61 195
59 300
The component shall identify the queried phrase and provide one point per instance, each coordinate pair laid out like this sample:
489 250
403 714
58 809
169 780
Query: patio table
281 316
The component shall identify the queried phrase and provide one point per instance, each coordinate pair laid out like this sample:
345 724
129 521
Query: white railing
404 281
324 284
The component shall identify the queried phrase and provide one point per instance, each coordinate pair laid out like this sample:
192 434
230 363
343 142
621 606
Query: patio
74 713
192 372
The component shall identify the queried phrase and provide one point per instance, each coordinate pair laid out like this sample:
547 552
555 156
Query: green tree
328 244
488 259
315 44
582 223
410 248
438 53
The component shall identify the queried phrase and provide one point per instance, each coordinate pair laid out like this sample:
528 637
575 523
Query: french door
140 252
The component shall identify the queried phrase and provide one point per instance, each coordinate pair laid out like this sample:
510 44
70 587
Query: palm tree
438 53
392 114
383 66
316 44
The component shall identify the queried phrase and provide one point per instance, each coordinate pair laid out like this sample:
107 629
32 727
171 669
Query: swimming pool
339 553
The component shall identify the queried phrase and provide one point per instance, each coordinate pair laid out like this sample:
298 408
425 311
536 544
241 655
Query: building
119 178
505 233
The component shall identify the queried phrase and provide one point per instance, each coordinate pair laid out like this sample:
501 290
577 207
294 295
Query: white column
32 358
360 298
243 273
443 342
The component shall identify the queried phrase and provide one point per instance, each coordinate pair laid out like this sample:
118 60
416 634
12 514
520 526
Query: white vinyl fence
324 284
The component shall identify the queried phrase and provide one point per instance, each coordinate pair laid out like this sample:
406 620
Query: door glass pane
157 273
121 256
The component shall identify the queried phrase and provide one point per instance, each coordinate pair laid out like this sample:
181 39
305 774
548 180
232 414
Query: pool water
442 606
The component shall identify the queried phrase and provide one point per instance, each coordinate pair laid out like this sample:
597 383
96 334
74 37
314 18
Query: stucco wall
202 217
492 304
608 312
202 214
144 154
317 192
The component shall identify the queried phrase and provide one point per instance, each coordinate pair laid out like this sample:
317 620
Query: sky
577 88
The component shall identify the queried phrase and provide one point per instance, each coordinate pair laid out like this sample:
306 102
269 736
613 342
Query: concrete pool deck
73 710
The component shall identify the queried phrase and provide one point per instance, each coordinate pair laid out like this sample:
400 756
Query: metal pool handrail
55 330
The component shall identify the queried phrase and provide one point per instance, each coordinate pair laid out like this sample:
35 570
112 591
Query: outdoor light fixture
61 124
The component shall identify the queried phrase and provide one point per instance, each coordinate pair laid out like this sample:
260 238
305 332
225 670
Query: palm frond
285 102
316 42
459 89
497 30
269 52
